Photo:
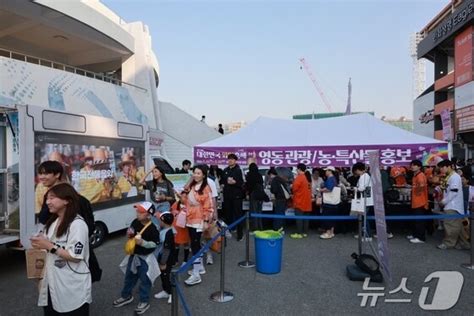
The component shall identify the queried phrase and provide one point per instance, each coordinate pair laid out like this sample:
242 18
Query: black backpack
367 263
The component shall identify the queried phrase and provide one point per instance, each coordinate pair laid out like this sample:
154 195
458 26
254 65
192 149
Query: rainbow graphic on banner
435 155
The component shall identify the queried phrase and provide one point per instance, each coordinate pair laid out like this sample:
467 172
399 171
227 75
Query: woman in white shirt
66 285
364 191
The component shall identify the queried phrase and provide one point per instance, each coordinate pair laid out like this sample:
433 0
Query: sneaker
410 237
356 236
326 236
296 236
442 247
240 239
122 301
228 234
142 308
201 271
193 279
162 294
305 235
209 259
170 300
416 241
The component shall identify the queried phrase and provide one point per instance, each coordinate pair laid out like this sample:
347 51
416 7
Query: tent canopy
357 129
339 141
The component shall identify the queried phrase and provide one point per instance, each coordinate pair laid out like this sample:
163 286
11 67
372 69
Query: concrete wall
421 107
26 83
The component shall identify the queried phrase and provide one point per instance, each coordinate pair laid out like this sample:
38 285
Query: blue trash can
268 253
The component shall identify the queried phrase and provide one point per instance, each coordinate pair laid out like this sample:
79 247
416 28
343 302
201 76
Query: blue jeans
132 279
279 206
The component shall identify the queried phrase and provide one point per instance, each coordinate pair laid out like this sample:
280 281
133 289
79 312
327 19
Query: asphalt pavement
312 281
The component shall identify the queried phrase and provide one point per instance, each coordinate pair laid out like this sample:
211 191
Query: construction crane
315 83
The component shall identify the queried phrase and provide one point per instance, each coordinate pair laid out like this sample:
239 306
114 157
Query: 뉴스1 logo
446 292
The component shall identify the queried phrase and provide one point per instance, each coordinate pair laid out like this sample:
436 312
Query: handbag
181 219
319 201
358 205
333 197
285 192
131 242
216 245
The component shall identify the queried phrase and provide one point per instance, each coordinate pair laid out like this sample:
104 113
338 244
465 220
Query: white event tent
338 141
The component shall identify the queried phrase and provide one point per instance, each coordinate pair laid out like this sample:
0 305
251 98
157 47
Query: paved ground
312 281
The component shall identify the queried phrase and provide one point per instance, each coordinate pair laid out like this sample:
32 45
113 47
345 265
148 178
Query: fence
223 296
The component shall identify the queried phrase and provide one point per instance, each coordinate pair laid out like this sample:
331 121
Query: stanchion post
470 265
247 263
174 294
222 296
359 240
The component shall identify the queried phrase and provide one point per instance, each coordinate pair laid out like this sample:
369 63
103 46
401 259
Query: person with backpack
66 285
50 174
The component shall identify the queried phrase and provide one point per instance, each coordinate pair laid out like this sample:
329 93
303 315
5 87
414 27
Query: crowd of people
172 221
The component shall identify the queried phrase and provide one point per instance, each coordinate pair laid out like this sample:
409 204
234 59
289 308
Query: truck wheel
99 234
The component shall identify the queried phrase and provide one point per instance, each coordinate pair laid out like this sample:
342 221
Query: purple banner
446 122
315 156
379 212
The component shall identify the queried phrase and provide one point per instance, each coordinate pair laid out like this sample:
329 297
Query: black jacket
254 181
233 191
276 188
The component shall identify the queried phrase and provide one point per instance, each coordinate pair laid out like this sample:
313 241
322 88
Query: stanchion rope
350 218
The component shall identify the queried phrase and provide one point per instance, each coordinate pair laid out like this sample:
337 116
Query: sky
238 60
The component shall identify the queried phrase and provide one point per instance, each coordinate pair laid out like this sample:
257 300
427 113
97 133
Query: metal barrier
247 263
360 218
220 296
223 296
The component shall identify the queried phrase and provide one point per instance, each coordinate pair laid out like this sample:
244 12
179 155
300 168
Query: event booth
338 142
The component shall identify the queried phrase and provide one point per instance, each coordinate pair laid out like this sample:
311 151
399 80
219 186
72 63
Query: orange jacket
196 214
302 193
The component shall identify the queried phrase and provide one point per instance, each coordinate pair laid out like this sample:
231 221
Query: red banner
463 57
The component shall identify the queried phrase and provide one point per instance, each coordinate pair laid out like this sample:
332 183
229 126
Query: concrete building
447 42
